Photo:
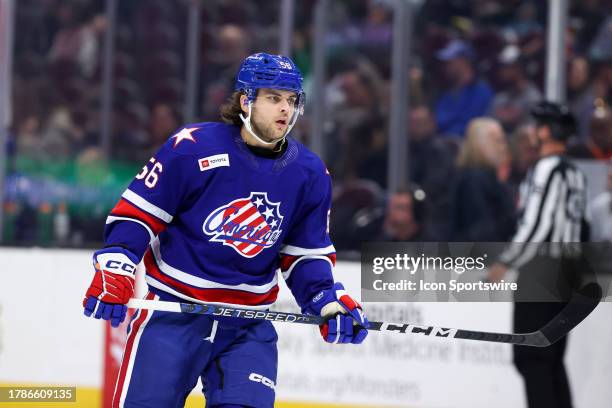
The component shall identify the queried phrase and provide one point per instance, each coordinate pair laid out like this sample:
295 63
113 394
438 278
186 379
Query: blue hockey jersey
215 222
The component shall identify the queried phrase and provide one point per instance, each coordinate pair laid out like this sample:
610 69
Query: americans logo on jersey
248 225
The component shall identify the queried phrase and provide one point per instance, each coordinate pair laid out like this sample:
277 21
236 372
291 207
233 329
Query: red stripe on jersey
242 245
246 214
128 351
126 209
332 258
233 296
287 260
257 248
235 208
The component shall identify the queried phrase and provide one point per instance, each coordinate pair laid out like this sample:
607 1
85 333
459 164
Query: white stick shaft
158 305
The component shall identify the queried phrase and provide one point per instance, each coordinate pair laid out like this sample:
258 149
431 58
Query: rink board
44 339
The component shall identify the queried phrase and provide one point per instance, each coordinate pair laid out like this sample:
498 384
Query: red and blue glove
112 285
346 321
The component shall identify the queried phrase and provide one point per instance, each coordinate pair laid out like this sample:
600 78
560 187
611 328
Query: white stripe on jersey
559 226
294 250
554 207
287 273
204 283
535 194
147 206
241 211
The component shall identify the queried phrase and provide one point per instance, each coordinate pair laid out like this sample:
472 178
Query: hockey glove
346 321
112 285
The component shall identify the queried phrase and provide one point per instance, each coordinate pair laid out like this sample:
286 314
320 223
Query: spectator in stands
377 28
63 136
404 218
587 16
431 167
28 141
467 96
360 87
356 213
600 88
77 39
601 212
511 106
482 207
366 153
430 158
598 145
232 46
579 94
376 33
357 120
525 22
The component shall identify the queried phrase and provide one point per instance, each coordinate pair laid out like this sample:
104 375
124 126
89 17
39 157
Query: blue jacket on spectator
456 108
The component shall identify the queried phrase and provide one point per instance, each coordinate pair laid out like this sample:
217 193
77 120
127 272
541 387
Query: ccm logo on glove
115 262
128 267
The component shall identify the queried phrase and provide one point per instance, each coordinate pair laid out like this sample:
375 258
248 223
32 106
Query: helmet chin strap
249 128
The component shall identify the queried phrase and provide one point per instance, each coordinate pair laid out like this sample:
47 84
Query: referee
552 207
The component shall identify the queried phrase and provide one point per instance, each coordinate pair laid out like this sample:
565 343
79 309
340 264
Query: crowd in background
476 69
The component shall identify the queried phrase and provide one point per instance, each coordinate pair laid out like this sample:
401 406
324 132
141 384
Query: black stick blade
528 339
579 307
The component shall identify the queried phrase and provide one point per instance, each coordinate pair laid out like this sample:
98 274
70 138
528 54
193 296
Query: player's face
272 112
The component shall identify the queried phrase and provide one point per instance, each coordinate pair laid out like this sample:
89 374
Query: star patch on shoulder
184 134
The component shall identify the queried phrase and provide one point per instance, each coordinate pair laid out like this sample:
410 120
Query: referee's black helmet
558 117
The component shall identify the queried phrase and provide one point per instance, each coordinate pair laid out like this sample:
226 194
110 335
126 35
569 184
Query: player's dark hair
230 111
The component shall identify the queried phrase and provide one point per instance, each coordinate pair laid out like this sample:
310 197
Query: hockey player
214 214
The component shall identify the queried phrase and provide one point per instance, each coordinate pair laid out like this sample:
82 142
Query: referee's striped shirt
552 208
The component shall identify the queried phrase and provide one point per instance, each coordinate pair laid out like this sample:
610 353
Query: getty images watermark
410 265
441 271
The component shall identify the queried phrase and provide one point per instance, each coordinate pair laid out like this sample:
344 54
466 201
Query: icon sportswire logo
248 225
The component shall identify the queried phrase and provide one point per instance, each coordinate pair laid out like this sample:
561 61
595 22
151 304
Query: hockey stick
578 308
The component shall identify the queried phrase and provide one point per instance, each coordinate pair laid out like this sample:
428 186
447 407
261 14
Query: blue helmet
264 70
